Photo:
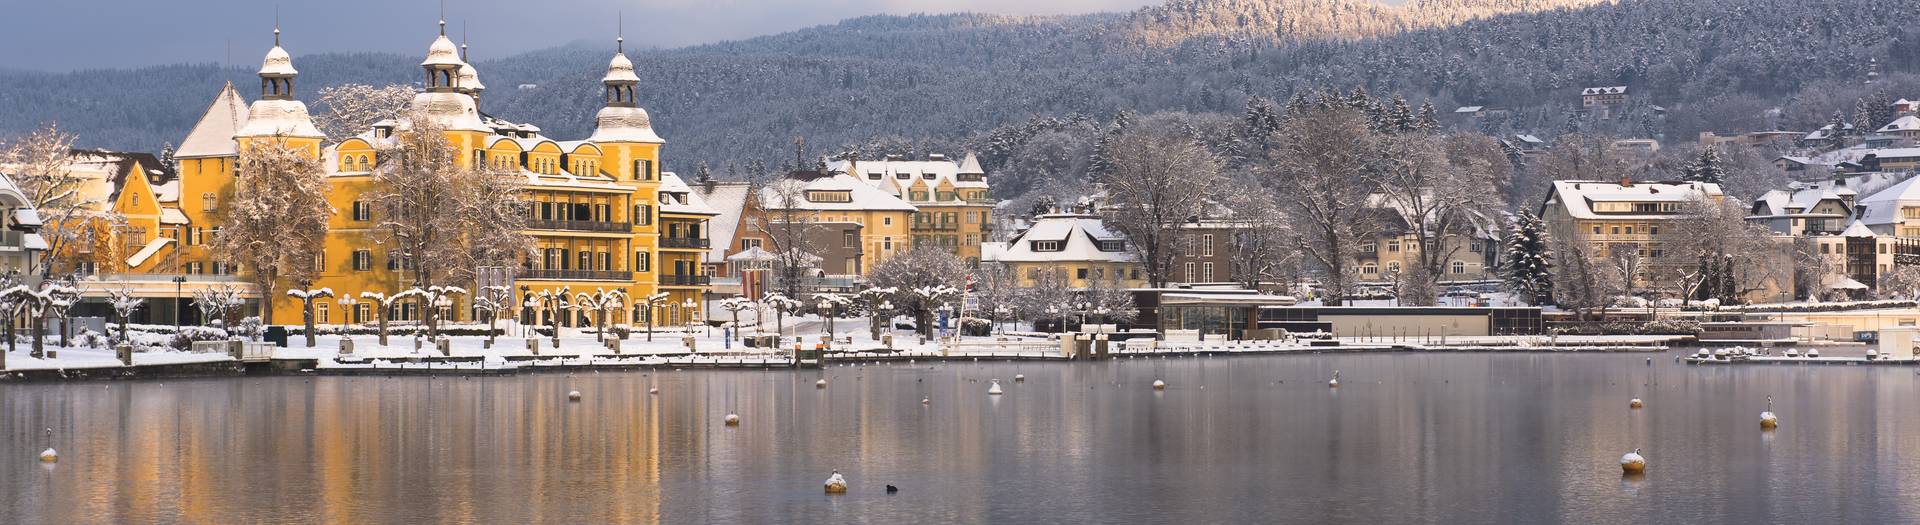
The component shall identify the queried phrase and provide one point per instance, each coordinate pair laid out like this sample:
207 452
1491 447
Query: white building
1080 245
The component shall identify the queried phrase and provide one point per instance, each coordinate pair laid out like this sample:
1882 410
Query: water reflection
1406 438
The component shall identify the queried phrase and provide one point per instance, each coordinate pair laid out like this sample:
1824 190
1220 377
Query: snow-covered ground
76 358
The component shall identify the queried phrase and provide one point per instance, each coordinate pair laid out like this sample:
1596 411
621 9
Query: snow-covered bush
188 335
90 339
249 328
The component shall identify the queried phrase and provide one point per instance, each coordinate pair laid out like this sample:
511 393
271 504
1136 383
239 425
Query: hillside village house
952 209
1078 245
1604 101
603 215
1862 224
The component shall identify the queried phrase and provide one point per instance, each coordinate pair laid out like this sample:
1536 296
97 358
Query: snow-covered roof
1883 206
676 197
470 78
860 196
146 252
624 124
213 135
277 63
1906 123
1578 196
729 200
33 241
282 118
172 215
620 69
1606 90
452 111
442 53
1075 233
898 177
1857 229
1896 153
168 191
26 217
1826 131
1469 109
1530 139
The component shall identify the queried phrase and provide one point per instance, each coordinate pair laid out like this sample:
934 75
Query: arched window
1369 269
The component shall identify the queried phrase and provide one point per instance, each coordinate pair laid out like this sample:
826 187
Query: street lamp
179 296
349 308
688 306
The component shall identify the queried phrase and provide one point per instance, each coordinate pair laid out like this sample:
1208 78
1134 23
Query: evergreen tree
1399 118
1429 121
1706 167
1527 265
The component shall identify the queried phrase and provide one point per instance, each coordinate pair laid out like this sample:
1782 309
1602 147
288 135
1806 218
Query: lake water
1408 438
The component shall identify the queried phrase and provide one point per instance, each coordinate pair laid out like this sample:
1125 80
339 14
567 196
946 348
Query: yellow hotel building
603 214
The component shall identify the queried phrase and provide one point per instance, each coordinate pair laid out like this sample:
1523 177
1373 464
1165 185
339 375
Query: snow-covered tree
652 303
382 310
62 295
41 163
495 301
275 226
347 110
32 303
1108 301
1527 264
124 304
831 306
733 305
781 306
307 297
1707 167
600 303
218 303
923 267
431 298
878 303
553 303
438 219
1048 297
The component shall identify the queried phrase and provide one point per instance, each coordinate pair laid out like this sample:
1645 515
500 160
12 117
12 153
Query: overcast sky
79 34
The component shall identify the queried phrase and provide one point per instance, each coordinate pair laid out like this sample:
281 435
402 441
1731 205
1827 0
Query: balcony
685 280
937 226
684 243
575 275
580 226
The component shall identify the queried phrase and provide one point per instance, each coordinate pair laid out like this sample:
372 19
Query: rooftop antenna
443 17
620 32
463 40
276 25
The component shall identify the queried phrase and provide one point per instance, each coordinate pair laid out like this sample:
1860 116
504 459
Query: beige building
1625 215
1080 245
836 197
953 210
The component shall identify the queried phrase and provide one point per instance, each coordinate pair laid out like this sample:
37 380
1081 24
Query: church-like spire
443 63
620 79
276 71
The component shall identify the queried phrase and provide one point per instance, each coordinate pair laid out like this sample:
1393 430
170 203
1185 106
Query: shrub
184 339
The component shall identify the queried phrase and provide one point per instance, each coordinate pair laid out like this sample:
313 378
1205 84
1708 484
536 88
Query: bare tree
426 209
1049 297
495 300
124 304
348 110
276 226
1157 182
600 302
1441 188
1108 300
1582 280
789 228
1715 253
1321 171
41 163
1262 240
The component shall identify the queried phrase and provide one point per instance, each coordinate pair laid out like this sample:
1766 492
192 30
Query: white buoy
653 391
573 395
1159 385
926 401
1335 382
820 384
733 420
1635 403
836 484
1767 420
1019 378
1633 463
995 389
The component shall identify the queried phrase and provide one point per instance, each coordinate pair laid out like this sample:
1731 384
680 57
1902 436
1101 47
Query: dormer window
1113 246
1046 246
830 196
873 175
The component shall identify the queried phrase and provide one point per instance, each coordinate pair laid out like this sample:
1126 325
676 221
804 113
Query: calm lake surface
1407 438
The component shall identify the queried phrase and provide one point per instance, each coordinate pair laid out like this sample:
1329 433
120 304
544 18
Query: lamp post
826 308
688 306
350 307
1001 312
179 296
1053 313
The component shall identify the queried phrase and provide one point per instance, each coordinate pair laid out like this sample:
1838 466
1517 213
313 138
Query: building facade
952 209
1078 246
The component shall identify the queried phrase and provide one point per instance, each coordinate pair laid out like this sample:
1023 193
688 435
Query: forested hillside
949 81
